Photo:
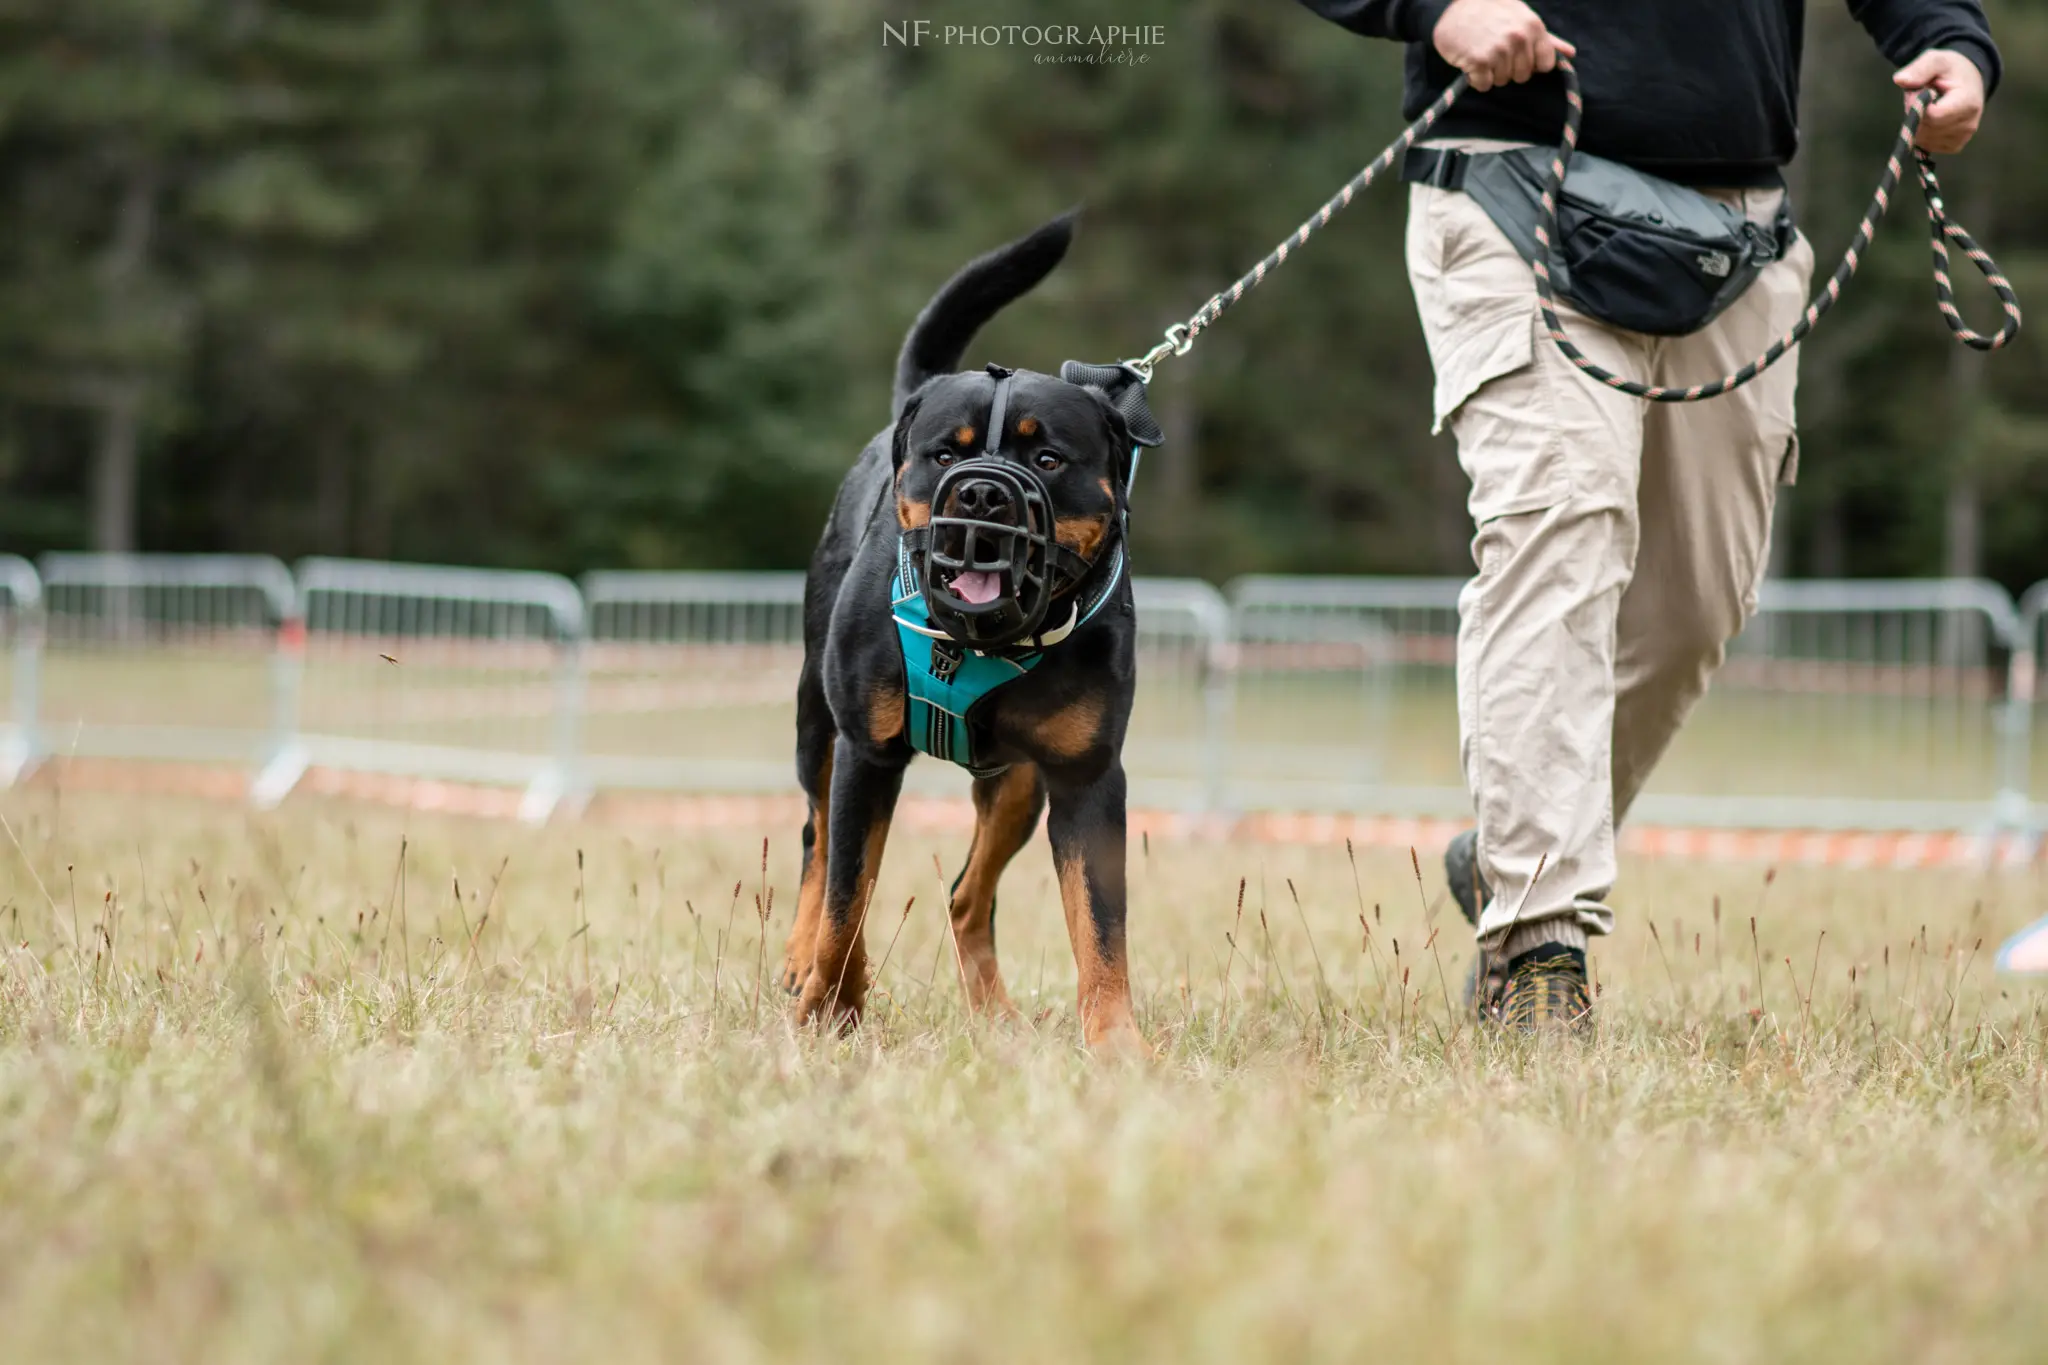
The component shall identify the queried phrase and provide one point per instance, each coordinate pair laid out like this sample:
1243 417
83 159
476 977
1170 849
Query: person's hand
1496 42
1951 121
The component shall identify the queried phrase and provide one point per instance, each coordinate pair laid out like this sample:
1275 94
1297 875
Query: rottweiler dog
1055 734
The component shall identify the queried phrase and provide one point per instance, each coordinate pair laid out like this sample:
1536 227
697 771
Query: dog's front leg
1006 809
863 800
1086 826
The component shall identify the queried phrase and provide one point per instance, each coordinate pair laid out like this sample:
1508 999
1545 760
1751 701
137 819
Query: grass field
270 1092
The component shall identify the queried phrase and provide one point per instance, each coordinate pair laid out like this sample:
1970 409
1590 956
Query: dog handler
1619 543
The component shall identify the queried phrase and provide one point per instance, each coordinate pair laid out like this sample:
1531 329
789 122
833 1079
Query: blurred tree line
579 283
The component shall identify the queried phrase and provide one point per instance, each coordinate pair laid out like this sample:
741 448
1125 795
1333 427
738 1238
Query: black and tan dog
1053 735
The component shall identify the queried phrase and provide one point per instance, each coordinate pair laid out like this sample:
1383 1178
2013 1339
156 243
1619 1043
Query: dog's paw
1114 1034
987 999
830 1005
1124 1045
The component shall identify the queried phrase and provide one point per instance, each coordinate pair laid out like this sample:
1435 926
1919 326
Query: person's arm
1493 42
1904 29
1408 21
1941 45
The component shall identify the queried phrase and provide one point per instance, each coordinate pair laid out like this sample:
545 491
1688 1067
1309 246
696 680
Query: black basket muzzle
993 518
990 516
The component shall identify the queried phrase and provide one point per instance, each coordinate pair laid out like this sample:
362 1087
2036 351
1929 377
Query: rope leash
1180 338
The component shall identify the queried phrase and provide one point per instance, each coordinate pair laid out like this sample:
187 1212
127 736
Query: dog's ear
899 440
1119 428
1119 435
1123 389
1120 392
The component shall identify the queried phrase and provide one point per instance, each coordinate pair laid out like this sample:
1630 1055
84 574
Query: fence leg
287 762
2015 811
560 780
1380 678
21 743
1219 695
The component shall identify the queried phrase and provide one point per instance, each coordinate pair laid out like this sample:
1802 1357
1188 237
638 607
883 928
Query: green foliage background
583 283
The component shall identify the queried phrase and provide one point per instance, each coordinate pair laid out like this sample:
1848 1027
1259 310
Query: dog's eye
1049 460
944 458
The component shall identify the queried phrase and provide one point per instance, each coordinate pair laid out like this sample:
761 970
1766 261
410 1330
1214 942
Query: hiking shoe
1488 976
1461 870
1546 989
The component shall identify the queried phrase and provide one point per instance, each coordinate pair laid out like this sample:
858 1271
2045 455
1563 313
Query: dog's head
1010 519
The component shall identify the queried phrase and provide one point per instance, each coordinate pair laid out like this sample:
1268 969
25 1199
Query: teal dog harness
946 680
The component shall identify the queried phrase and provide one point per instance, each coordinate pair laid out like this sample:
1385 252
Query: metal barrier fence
167 657
1894 705
21 630
463 674
1862 704
692 680
1345 695
1842 705
1174 753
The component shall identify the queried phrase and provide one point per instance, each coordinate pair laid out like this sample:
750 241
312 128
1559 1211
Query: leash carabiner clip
1177 342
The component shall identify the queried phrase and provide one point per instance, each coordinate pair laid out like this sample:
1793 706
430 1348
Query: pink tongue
977 586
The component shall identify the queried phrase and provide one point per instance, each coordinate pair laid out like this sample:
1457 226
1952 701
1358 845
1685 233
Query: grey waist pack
1634 251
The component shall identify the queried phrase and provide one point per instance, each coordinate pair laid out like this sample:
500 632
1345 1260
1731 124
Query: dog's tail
983 288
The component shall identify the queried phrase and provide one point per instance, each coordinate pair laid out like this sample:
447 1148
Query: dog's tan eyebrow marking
1027 426
965 436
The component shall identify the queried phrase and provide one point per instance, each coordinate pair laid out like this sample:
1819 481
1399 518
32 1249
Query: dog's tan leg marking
1105 982
885 714
838 984
1005 812
1071 731
797 950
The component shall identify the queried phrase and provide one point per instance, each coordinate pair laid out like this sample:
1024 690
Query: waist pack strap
1441 168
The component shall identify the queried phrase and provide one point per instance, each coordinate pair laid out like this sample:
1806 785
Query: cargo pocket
1502 412
1479 318
1788 467
1480 350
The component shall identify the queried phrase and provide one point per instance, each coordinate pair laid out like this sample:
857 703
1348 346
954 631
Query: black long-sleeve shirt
1702 91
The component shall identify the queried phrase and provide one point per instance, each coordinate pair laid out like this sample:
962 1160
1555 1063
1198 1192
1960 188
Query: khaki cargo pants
1619 547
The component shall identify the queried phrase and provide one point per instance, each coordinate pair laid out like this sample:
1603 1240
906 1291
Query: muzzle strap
998 410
